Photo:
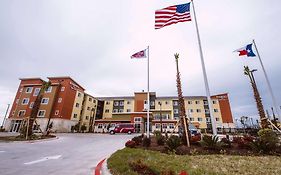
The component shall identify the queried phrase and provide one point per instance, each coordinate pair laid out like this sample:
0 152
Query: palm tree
259 104
182 113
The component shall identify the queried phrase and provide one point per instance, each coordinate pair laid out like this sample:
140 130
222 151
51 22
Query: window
88 108
145 101
41 113
49 89
87 117
45 101
207 111
121 103
128 102
77 105
171 126
107 111
157 125
25 101
21 113
191 119
175 103
205 102
17 101
137 119
208 119
62 89
199 119
176 111
216 110
214 102
115 110
107 103
217 119
57 112
166 102
13 113
121 110
128 110
59 100
152 103
100 126
21 89
198 110
191 110
197 102
116 103
36 91
164 125
31 105
28 90
79 94
189 102
90 99
74 115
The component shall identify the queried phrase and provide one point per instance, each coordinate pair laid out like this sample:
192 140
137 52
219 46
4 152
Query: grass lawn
118 163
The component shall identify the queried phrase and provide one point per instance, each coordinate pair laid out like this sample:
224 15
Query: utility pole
5 116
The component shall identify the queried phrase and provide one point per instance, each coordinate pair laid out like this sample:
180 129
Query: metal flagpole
214 128
267 81
148 101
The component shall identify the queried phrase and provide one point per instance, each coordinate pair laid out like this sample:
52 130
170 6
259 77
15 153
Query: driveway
71 154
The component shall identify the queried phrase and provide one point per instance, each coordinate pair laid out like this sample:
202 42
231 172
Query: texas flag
140 54
247 50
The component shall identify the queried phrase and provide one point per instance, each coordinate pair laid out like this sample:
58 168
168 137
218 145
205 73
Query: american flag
172 15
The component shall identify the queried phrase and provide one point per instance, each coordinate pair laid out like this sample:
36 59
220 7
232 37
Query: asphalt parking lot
71 154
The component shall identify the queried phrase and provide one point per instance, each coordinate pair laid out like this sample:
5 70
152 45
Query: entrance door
16 126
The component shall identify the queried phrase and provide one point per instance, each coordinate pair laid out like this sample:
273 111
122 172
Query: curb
98 169
35 141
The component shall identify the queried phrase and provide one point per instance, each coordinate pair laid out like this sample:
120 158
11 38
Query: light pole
5 116
161 128
92 119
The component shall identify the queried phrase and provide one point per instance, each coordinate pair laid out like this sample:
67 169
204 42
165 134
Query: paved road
71 154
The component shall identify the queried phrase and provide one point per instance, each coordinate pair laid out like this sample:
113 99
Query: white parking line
43 159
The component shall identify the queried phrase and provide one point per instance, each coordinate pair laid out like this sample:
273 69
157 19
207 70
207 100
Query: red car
123 128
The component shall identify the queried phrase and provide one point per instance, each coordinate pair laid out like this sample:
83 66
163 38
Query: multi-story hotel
66 105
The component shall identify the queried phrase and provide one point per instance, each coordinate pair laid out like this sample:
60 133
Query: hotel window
198 110
13 113
199 119
189 102
145 101
207 111
49 89
17 101
62 89
36 91
115 110
121 110
205 102
121 103
128 102
100 126
107 111
44 101
217 119
74 115
137 119
25 101
214 102
21 89
176 111
107 103
21 113
208 119
191 110
191 119
59 100
94 101
116 103
197 102
77 105
57 112
79 94
90 99
175 103
31 105
88 108
164 125
152 103
87 117
28 90
157 125
41 113
166 102
128 110
216 110
171 126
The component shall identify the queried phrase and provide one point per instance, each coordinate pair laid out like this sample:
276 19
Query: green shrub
160 140
211 142
173 142
137 140
146 142
83 128
157 133
226 143
130 144
266 142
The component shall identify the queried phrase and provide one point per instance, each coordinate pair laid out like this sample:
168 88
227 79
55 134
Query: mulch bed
20 138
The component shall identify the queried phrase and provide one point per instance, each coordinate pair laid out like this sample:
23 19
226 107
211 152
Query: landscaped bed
21 138
124 161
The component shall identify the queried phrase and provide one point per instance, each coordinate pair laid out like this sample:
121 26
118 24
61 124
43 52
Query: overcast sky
92 41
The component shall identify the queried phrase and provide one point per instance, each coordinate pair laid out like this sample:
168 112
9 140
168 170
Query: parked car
123 128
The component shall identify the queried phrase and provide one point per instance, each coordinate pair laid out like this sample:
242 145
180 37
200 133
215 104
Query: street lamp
161 128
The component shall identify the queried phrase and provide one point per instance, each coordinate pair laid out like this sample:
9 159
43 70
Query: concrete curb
101 168
36 141
105 170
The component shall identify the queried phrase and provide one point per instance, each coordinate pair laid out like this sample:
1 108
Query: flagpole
267 81
148 100
214 128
